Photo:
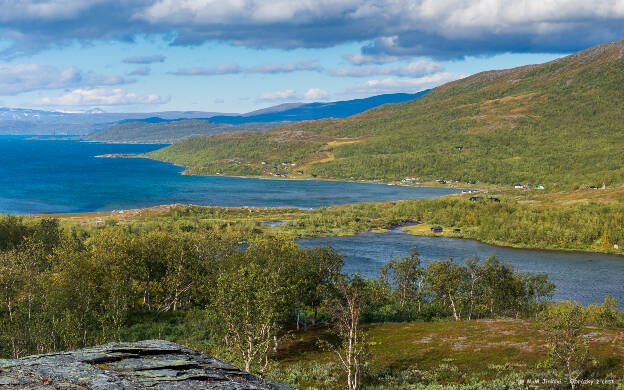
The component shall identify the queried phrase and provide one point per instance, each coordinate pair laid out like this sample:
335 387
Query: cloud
101 97
397 28
145 59
141 71
315 94
16 79
283 95
361 59
234 68
394 85
413 69
291 95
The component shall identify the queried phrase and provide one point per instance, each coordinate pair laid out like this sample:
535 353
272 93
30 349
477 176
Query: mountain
303 112
161 130
560 124
27 121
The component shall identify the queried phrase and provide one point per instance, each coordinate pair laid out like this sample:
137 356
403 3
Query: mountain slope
312 111
167 132
160 130
560 124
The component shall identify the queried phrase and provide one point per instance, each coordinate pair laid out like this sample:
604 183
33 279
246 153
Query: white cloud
315 94
389 29
101 97
283 95
19 78
394 85
291 95
234 68
413 69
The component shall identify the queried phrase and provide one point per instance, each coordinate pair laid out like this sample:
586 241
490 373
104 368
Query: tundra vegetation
261 301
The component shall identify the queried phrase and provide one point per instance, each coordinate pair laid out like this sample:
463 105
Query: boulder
150 364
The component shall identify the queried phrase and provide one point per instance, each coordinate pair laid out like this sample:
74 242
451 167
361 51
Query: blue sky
240 55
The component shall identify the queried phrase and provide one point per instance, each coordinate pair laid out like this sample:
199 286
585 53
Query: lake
39 176
584 277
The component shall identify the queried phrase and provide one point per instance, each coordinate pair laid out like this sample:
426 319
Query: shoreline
433 184
73 217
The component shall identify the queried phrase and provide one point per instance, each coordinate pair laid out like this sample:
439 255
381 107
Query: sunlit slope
558 124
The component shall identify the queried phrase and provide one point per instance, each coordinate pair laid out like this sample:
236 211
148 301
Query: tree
406 276
564 324
446 279
353 349
252 297
315 277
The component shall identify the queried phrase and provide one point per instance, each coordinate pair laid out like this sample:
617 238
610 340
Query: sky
240 55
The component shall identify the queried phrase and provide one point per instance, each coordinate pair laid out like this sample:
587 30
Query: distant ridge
160 130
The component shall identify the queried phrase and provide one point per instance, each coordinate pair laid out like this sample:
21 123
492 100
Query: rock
151 364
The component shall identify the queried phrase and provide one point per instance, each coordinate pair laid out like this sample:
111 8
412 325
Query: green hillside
170 131
560 124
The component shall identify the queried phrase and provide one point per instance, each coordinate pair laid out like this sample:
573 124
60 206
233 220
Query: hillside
168 132
558 124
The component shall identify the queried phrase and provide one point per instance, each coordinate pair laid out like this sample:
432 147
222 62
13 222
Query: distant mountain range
110 127
156 129
27 121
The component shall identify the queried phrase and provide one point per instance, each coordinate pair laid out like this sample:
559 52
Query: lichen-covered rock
151 364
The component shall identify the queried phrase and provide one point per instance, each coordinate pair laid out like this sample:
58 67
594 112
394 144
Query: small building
518 186
286 163
539 187
470 182
99 222
494 199
437 229
459 147
300 172
264 163
456 230
476 198
442 181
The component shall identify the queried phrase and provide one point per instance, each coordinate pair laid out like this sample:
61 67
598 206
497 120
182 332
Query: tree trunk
454 309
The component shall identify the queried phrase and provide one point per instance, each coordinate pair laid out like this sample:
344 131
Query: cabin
539 187
476 198
99 222
284 163
441 181
593 187
470 182
459 147
313 175
300 172
264 163
456 230
518 186
437 229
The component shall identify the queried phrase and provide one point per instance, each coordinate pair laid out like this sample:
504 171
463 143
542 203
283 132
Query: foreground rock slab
151 364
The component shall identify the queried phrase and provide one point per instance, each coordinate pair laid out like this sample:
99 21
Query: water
38 176
584 277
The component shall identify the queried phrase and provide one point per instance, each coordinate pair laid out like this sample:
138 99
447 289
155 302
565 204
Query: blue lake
38 176
584 277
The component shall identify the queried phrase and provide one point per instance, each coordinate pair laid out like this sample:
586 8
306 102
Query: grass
450 352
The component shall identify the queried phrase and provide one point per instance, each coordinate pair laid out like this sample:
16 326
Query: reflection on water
584 277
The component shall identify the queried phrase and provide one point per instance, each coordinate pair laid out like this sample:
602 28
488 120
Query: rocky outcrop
152 364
